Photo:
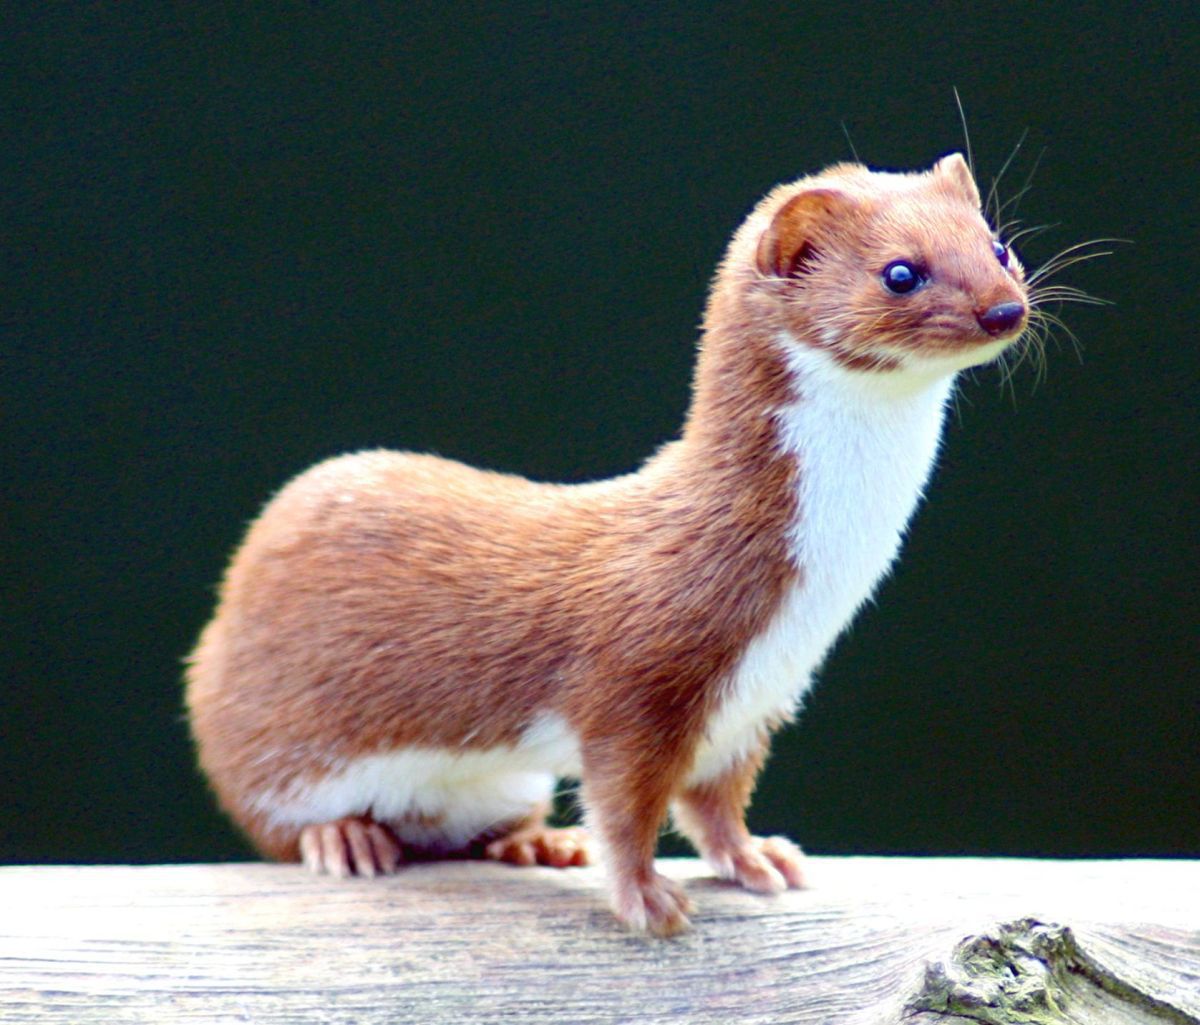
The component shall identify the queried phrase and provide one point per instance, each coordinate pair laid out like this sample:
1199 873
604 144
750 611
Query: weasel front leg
711 815
626 793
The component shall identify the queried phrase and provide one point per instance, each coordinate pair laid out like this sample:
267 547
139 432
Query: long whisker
993 197
1071 256
1004 370
853 150
1049 322
1033 349
1015 200
962 116
1065 294
1031 232
1043 326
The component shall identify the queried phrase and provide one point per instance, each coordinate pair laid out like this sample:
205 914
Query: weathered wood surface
873 942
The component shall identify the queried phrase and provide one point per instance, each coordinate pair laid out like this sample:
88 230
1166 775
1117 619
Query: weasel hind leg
533 842
355 845
711 815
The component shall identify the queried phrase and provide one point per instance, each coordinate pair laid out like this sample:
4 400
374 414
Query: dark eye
900 276
1001 251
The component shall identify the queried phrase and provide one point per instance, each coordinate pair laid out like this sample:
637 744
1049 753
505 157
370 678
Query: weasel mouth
1001 319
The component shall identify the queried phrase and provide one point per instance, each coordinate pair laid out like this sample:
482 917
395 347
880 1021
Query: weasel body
408 652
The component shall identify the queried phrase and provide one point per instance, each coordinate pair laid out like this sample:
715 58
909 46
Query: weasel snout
1002 318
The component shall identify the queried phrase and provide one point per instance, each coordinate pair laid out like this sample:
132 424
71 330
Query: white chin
952 363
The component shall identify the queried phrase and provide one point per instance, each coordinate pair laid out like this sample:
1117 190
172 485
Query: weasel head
888 273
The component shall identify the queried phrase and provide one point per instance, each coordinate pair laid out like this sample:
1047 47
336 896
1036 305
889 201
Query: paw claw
657 906
764 865
787 858
386 848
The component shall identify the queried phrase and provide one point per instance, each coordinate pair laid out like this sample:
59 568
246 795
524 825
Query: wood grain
870 943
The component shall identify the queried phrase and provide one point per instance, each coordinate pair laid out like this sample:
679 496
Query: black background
237 242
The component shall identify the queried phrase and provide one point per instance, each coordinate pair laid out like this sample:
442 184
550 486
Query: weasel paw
350 846
657 906
541 845
765 865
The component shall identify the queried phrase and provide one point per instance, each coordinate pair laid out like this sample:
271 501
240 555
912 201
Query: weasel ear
791 240
954 170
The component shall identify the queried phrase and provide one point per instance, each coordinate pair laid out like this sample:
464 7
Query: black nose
1001 318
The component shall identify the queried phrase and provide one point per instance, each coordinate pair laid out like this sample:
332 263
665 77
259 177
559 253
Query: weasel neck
755 381
833 462
742 380
866 449
858 447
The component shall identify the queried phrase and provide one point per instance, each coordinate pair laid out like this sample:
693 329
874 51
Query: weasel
408 652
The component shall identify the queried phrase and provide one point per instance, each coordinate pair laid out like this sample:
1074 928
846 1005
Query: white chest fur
865 446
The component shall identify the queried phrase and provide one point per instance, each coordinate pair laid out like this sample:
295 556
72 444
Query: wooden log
875 941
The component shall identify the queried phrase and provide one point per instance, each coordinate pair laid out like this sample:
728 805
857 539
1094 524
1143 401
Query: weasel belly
435 798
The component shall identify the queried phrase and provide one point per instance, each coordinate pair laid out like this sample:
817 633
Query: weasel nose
1001 318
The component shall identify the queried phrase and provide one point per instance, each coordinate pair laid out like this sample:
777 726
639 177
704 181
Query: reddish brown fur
447 606
384 600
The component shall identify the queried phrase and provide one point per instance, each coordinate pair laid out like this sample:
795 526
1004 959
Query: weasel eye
900 276
1001 251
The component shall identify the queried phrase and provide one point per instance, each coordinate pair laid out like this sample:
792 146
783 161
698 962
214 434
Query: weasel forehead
893 181
888 187
952 242
934 226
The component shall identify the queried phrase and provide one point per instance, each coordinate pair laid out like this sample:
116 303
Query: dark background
237 242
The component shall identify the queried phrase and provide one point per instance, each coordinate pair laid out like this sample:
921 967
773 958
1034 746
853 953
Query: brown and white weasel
408 652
